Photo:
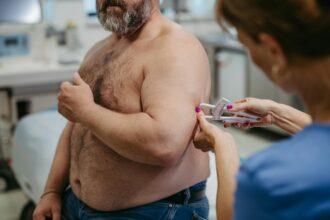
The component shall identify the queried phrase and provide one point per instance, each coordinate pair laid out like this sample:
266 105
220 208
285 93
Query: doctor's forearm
290 119
133 136
227 162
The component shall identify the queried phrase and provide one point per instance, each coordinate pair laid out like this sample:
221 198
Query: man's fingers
62 109
77 80
65 86
65 111
56 215
39 216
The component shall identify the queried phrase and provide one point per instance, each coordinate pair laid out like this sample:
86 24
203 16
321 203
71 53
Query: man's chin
118 28
123 32
126 33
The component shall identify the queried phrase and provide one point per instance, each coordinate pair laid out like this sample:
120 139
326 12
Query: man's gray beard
129 23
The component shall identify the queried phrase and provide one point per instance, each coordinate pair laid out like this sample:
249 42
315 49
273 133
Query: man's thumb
77 80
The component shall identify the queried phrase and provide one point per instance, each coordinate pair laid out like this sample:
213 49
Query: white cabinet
259 86
231 75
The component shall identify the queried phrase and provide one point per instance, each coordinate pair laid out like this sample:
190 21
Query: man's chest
115 79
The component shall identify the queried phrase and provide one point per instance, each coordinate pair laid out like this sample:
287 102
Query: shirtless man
127 151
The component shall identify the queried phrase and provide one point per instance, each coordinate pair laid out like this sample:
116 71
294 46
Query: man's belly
106 181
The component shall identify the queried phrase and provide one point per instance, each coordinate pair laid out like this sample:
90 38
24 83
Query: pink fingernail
198 109
230 106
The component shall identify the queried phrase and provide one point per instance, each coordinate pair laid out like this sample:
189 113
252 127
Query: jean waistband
198 186
189 195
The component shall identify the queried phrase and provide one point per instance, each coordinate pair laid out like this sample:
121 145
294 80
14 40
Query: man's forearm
134 136
290 119
227 162
58 178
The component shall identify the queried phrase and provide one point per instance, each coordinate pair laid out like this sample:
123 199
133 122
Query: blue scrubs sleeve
251 200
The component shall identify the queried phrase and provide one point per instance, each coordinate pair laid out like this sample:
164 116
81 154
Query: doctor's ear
274 51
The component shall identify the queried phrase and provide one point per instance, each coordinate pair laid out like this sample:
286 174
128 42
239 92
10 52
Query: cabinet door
232 75
259 86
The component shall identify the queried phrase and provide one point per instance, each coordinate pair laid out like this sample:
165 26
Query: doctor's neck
312 82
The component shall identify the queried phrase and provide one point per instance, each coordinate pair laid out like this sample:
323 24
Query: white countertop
27 72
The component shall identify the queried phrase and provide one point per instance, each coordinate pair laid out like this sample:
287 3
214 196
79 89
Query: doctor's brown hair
302 27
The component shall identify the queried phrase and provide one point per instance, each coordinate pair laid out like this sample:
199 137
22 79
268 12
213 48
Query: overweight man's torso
100 177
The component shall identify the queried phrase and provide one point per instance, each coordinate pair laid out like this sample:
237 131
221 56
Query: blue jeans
74 209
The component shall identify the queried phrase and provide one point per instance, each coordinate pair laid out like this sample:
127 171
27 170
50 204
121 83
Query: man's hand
75 99
49 207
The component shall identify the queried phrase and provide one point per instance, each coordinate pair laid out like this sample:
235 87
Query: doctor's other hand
259 107
74 99
49 207
207 134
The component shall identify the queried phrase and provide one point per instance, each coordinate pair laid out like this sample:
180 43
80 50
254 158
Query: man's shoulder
175 37
97 46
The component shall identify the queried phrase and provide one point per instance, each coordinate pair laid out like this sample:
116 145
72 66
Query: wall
65 11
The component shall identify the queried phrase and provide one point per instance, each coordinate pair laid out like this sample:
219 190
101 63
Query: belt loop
187 196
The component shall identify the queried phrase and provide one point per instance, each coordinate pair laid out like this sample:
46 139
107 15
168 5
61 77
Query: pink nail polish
198 109
230 106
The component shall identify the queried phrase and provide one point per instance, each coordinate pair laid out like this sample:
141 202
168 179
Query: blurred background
42 44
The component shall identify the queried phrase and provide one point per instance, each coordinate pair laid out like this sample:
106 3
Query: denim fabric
74 209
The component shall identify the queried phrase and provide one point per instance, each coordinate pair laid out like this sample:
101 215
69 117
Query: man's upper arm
176 81
65 137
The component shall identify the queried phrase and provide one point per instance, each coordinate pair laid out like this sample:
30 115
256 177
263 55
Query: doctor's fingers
264 122
249 105
203 142
203 123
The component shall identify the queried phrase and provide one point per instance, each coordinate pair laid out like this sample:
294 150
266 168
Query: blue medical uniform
290 180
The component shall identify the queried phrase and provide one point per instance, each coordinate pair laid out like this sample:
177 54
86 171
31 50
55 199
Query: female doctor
290 41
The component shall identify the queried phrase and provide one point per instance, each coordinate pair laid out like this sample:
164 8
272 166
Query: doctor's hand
208 135
49 207
260 107
75 99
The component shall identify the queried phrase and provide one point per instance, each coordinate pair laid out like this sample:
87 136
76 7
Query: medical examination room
165 109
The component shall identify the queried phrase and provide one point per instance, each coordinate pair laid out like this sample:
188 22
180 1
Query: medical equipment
200 8
34 146
219 113
20 11
7 179
14 45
